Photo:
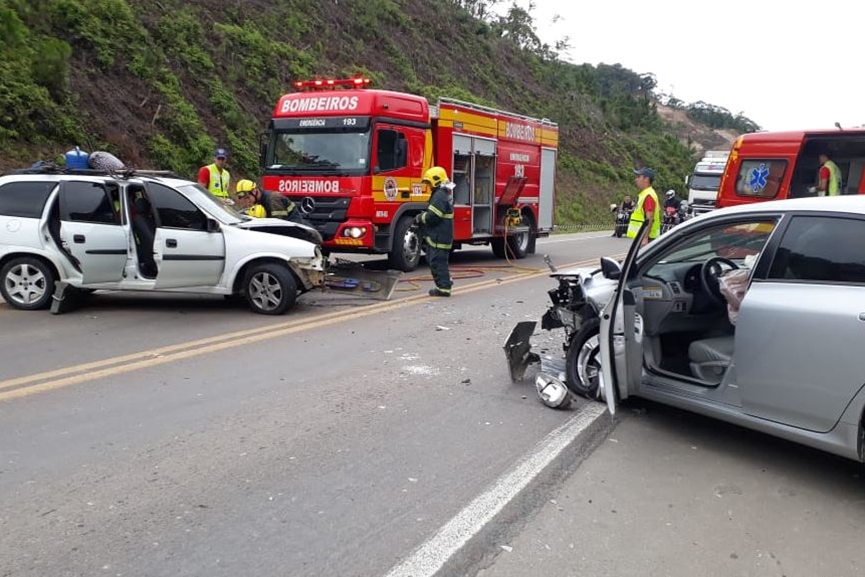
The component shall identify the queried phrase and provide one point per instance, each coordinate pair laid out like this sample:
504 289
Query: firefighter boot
438 264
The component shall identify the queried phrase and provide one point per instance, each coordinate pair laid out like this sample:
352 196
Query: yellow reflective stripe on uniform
439 213
442 246
436 211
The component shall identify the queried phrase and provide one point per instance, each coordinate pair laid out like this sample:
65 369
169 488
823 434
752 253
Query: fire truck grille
324 212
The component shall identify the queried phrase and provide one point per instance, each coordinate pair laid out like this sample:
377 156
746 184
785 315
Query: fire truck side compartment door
548 188
462 144
485 147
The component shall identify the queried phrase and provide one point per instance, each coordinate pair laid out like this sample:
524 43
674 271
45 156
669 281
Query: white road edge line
427 559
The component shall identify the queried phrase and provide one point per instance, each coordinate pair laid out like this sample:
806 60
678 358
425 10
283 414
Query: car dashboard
672 297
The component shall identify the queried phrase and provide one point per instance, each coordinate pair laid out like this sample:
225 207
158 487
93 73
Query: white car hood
282 228
246 241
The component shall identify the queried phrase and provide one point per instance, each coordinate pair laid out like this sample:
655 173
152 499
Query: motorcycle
671 218
623 217
674 216
685 211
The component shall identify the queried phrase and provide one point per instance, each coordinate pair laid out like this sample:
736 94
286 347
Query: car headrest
142 206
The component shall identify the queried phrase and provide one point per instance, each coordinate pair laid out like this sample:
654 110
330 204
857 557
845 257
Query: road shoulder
669 493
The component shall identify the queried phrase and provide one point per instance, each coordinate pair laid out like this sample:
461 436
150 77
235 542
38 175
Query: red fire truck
352 159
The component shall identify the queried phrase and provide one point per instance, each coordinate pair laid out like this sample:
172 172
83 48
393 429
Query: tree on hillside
717 117
518 26
480 9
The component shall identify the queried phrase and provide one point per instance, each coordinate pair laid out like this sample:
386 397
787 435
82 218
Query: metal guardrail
585 227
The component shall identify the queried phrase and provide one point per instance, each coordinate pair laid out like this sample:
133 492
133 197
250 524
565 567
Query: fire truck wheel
518 244
533 232
498 246
405 253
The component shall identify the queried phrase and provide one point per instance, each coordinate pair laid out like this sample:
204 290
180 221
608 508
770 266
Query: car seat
711 357
144 228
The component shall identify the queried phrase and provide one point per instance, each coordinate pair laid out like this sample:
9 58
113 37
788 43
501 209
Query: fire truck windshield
325 152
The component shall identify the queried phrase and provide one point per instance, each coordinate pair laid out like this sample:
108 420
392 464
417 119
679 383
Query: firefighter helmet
256 211
435 176
244 187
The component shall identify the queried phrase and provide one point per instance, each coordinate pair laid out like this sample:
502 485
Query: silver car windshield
733 241
219 210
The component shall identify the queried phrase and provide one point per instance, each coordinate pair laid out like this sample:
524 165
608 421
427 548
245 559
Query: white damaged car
142 232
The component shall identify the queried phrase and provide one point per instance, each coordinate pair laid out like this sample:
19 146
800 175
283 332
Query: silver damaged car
754 315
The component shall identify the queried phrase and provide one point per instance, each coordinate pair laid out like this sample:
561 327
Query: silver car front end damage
577 300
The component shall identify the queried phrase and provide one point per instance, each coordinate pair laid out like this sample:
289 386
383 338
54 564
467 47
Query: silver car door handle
862 317
171 243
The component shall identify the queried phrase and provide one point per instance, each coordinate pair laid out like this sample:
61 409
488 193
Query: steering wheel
709 273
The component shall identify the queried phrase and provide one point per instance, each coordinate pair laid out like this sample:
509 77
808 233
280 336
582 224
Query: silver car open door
621 349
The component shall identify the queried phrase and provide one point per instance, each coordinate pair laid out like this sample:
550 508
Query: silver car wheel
265 291
25 284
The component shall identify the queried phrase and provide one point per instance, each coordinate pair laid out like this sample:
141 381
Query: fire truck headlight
354 232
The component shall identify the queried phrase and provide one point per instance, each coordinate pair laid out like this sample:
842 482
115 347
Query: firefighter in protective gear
648 207
437 228
260 204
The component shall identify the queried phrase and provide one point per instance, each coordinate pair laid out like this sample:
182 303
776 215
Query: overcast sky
759 57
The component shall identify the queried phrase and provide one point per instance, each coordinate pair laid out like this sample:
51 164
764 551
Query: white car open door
188 245
621 346
90 230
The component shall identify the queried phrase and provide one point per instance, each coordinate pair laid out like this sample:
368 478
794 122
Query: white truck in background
704 182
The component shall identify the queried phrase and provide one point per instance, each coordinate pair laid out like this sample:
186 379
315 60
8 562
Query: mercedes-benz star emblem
307 205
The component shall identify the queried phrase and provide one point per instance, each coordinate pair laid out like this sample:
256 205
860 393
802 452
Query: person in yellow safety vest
215 177
829 178
648 207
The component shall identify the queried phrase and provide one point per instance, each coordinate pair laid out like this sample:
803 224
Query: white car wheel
270 289
27 284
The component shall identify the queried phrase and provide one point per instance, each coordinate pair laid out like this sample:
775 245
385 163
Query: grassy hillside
161 82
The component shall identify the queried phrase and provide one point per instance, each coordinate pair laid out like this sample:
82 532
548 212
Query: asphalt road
176 436
676 494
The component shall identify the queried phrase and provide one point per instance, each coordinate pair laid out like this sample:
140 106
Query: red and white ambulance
352 159
777 165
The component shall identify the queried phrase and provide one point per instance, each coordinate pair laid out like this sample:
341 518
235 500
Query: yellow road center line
118 365
169 349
